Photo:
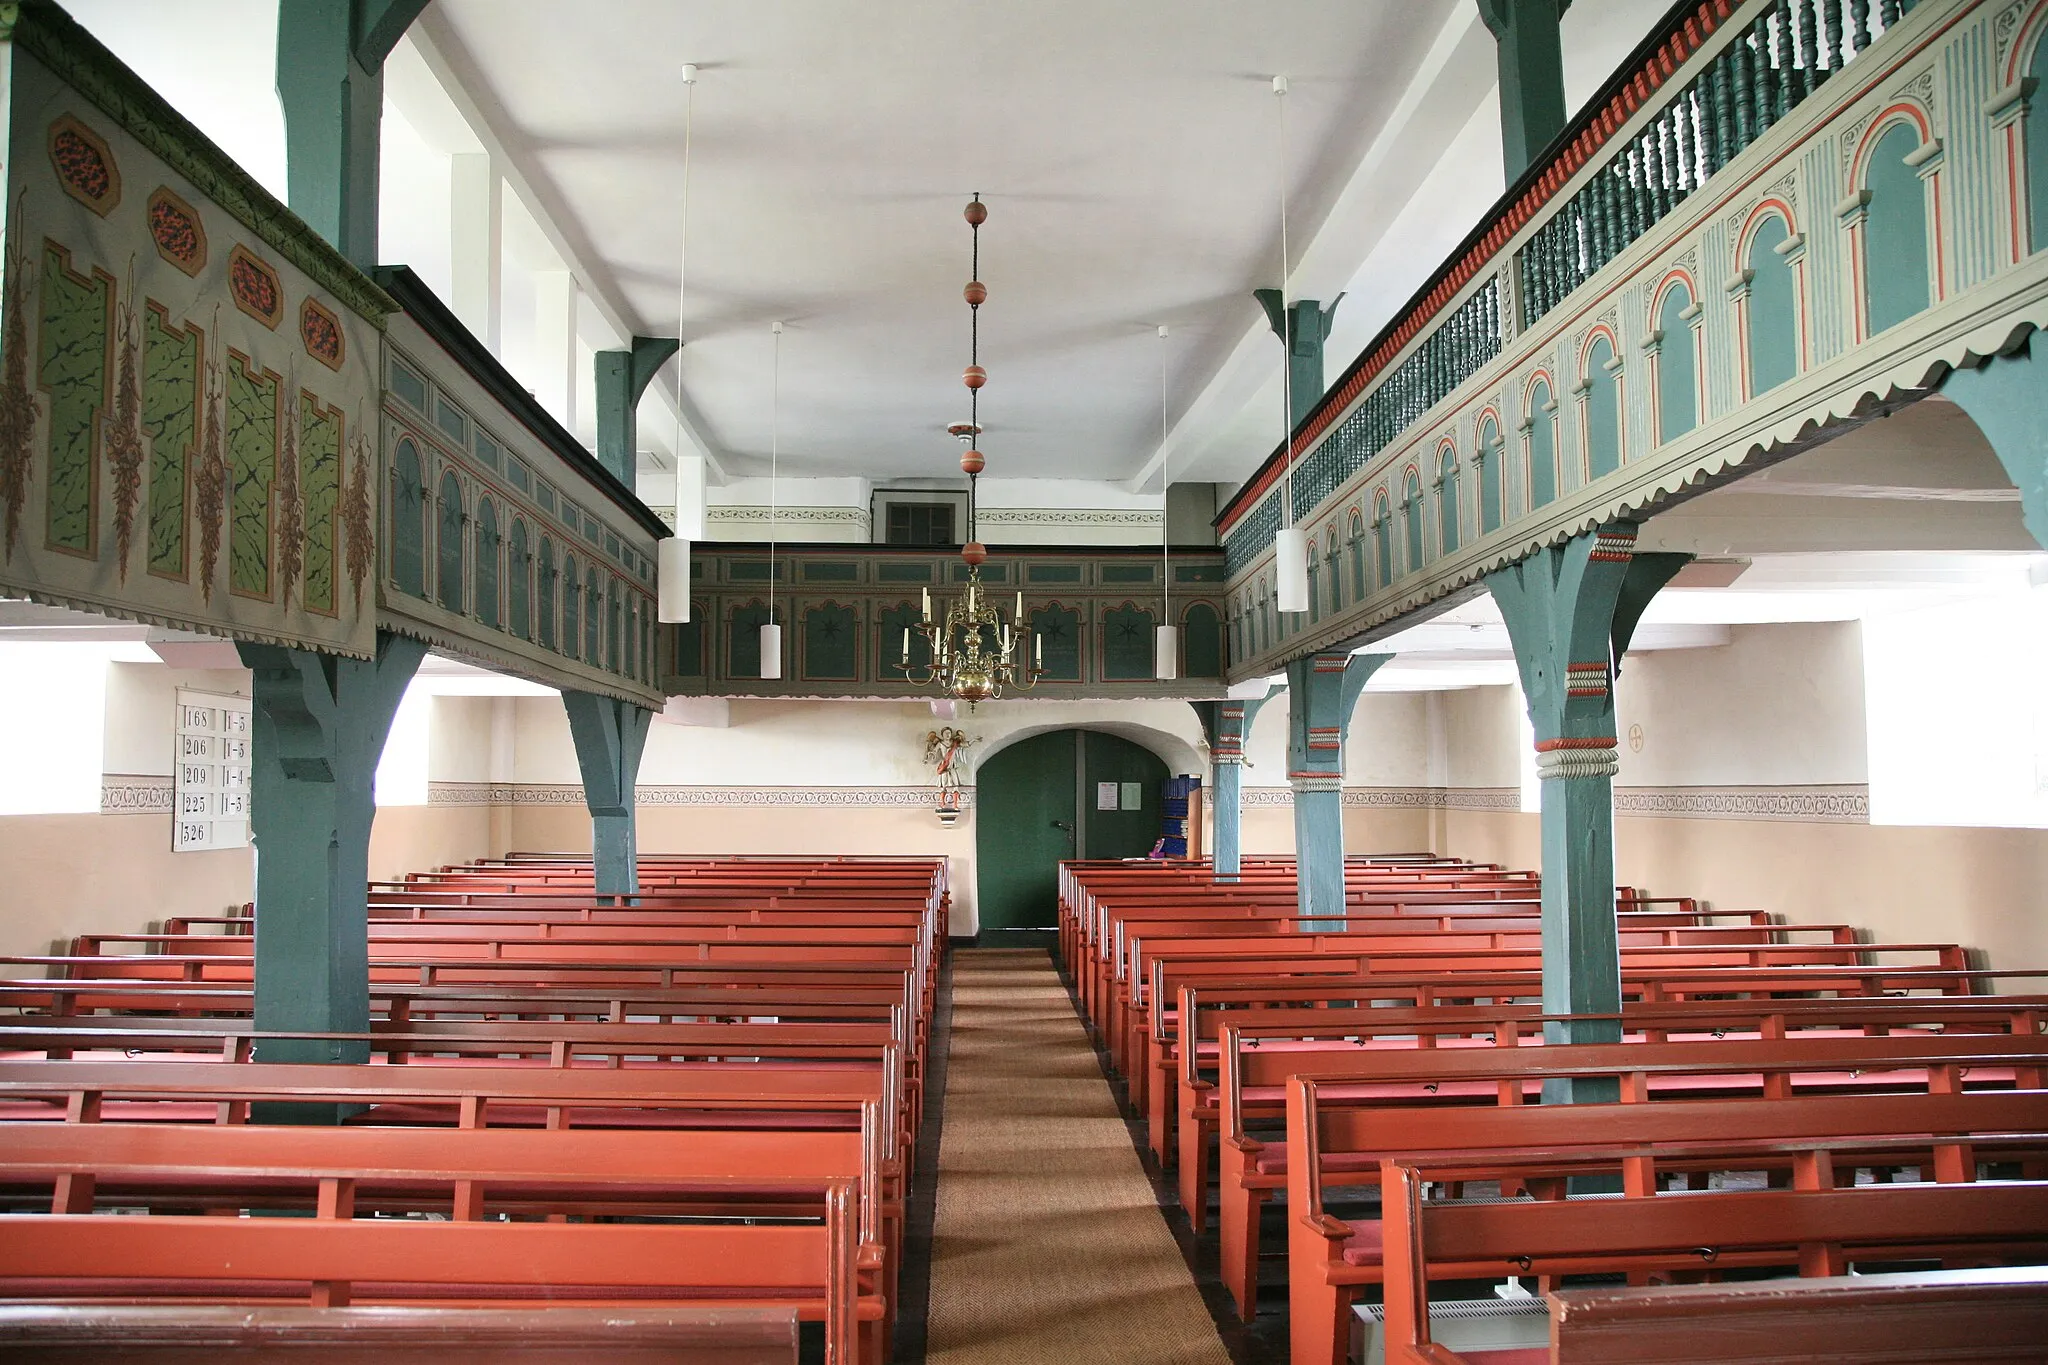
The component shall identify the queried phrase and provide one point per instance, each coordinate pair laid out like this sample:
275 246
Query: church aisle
1047 1244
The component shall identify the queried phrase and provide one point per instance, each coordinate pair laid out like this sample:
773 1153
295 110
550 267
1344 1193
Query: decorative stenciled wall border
1828 805
539 794
1069 517
135 794
799 516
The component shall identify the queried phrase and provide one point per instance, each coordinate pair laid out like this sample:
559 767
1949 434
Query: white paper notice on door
1105 795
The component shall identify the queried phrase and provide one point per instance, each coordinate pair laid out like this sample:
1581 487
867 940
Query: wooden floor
1048 1246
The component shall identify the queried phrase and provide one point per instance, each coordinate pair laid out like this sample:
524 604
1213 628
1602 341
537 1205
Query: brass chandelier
975 654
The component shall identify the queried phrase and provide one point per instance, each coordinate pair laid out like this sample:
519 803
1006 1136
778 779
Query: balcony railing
1782 53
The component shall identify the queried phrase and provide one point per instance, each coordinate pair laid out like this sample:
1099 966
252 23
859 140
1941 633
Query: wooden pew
1996 1316
194 1334
457 1263
1344 1123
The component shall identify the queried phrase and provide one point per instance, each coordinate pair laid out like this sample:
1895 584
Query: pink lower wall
1984 888
64 874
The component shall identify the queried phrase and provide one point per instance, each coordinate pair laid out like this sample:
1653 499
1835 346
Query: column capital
1577 757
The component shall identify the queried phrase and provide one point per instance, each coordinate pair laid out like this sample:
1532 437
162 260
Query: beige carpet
1047 1245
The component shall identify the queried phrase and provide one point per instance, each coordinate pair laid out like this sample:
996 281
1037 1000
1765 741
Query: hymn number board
212 788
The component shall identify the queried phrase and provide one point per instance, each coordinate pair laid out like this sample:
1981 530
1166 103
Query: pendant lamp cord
974 358
1165 498
683 278
1286 329
774 465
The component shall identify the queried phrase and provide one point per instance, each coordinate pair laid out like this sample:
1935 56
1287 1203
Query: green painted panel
408 520
1678 409
572 606
1127 573
1489 477
1603 411
1896 278
1127 643
1023 795
1773 319
889 644
743 640
519 580
1448 503
252 466
547 578
410 388
753 571
171 362
1059 634
593 616
1201 642
831 571
487 559
990 573
1052 573
831 643
448 546
320 486
1542 482
72 369
450 419
2037 148
690 644
1200 573
903 573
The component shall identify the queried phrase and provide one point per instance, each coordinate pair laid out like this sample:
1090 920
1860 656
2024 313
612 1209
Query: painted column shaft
1322 692
319 727
1228 803
610 735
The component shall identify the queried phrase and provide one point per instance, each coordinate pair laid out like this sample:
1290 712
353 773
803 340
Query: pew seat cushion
1366 1245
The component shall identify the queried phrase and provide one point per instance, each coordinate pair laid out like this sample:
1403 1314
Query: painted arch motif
1488 457
1447 502
1600 378
1897 214
1675 376
1768 297
1541 428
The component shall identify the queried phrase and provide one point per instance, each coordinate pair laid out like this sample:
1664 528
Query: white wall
1776 705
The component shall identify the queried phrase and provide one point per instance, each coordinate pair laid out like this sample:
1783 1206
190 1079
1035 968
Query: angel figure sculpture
946 750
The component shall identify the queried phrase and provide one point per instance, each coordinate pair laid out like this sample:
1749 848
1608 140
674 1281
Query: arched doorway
1046 798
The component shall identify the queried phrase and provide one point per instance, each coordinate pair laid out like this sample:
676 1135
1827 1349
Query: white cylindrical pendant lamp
1290 555
672 580
771 651
1166 653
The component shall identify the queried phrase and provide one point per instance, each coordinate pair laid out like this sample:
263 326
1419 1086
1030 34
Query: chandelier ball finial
974 376
977 212
971 461
974 552
976 293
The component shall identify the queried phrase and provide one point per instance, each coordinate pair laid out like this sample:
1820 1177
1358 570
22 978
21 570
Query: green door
1037 802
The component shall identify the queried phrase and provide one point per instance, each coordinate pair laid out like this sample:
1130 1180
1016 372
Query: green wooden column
1226 723
1322 692
1302 328
2007 397
1532 107
319 727
609 736
1570 610
330 80
622 376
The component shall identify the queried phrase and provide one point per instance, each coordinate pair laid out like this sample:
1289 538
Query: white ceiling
1127 151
